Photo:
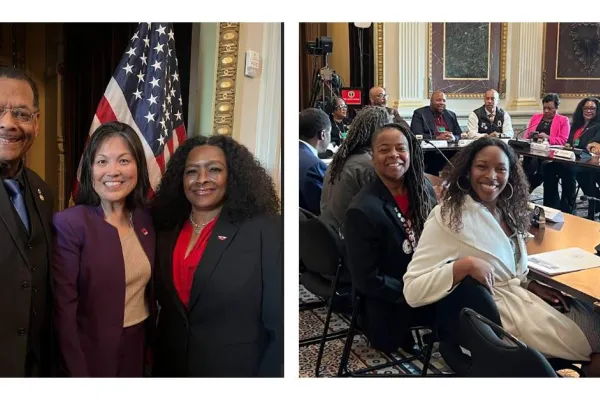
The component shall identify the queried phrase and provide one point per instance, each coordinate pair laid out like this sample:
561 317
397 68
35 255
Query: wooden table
573 232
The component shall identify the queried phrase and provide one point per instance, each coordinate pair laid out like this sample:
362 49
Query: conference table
452 147
573 232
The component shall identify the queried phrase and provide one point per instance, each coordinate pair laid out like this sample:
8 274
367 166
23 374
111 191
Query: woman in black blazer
585 129
219 264
382 228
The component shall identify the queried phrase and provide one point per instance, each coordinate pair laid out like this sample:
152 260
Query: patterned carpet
312 323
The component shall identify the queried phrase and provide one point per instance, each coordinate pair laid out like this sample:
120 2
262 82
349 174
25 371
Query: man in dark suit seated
435 122
26 206
315 135
378 97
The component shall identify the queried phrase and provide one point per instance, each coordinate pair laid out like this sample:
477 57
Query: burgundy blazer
88 275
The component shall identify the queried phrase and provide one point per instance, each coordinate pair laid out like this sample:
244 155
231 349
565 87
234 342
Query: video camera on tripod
325 83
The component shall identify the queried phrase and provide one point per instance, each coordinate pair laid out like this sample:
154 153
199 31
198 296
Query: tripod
324 85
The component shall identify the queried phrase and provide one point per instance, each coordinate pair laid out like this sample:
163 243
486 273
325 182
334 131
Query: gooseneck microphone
439 151
518 144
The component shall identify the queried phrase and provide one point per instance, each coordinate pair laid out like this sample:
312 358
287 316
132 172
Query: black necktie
16 197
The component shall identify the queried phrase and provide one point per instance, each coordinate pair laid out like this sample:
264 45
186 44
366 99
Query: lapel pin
144 231
222 237
40 194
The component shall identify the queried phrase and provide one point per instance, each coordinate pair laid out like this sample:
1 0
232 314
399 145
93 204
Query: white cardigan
429 278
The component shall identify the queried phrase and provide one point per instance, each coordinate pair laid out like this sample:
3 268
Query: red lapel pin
222 237
144 231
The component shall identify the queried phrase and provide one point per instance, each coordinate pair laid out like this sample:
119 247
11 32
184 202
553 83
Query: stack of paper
562 261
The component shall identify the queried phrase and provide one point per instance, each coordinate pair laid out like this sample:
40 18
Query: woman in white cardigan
477 232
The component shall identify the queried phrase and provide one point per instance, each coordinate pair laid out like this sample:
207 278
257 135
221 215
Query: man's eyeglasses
382 95
20 114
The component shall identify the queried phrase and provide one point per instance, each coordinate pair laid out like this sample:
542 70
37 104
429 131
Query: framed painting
571 62
467 58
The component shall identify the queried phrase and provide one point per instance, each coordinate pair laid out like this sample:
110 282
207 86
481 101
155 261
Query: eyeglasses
589 108
342 107
382 95
20 114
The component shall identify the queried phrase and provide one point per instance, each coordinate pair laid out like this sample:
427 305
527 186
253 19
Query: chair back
497 353
320 246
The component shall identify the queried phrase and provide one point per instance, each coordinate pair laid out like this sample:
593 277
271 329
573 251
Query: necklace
198 227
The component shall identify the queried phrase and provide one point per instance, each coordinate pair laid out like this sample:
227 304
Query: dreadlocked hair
414 178
366 122
514 207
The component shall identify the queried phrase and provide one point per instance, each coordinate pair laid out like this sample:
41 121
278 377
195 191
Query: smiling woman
219 268
103 259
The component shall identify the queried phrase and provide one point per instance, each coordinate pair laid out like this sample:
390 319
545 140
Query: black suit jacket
590 134
422 123
374 239
234 324
15 297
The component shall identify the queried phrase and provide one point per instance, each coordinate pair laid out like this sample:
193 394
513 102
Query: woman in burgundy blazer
98 258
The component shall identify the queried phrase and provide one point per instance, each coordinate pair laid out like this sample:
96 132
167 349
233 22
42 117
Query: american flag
145 93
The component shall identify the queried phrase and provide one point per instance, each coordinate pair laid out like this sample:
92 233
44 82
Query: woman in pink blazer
548 125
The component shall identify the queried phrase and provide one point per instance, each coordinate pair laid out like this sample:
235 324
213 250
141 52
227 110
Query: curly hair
367 121
578 120
514 208
250 190
414 178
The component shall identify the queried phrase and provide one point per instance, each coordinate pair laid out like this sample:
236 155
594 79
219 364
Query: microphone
441 152
518 144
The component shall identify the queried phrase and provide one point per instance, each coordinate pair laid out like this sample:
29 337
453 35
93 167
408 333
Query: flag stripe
116 100
145 93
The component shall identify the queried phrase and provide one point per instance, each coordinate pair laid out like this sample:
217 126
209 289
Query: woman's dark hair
414 177
138 197
331 106
514 208
367 121
250 190
578 120
551 97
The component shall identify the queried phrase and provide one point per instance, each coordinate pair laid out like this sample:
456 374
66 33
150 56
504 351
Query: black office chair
321 256
425 343
497 353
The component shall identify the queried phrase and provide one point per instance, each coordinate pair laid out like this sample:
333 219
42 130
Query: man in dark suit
435 122
315 135
378 97
26 206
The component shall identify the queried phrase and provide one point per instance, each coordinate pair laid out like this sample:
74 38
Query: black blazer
234 325
422 123
16 297
374 238
590 134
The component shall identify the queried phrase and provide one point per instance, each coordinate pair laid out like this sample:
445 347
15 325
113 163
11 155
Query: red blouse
578 133
403 203
184 267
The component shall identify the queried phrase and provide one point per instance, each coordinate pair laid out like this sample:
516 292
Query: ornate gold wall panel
226 77
379 66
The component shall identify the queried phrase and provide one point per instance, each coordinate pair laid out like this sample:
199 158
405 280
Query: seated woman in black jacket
382 228
584 130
